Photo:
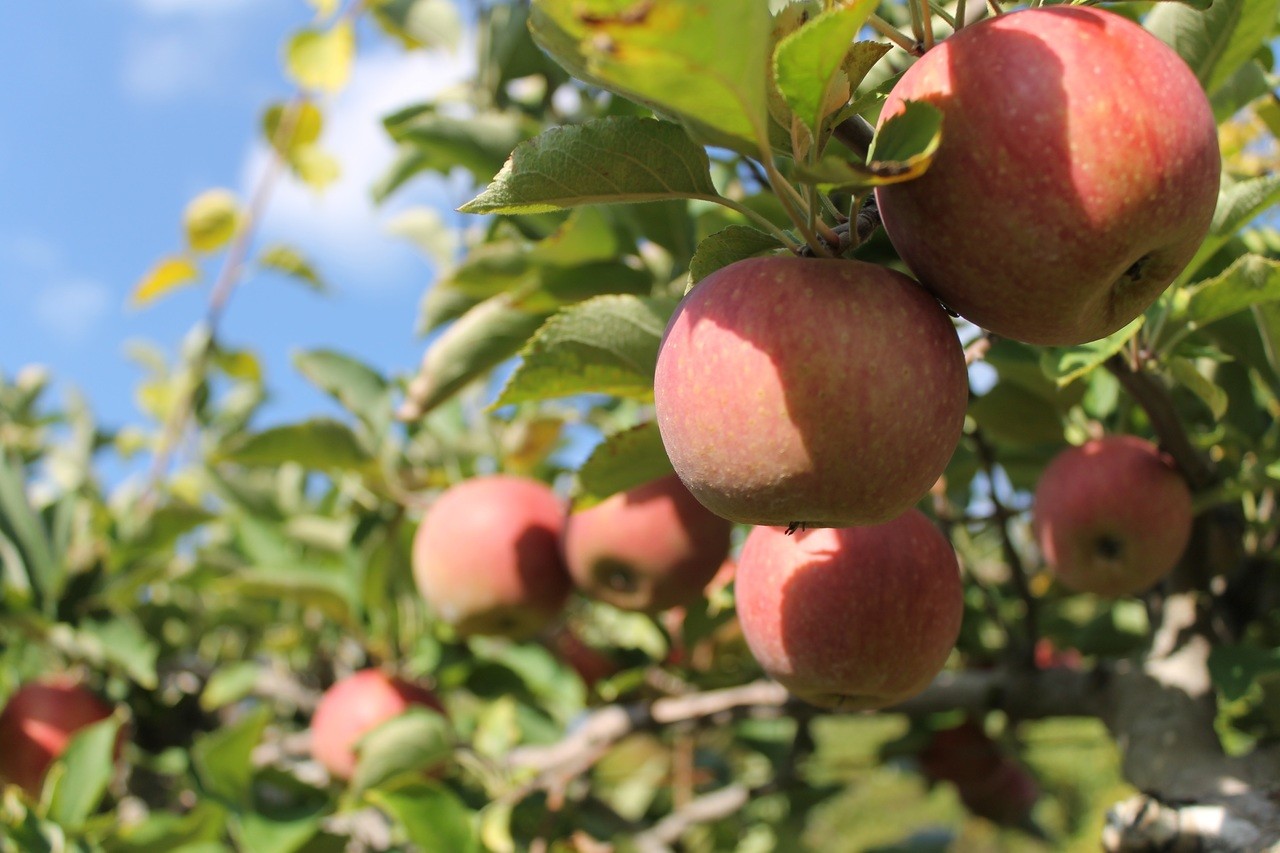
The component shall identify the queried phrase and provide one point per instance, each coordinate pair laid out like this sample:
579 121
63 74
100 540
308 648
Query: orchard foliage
622 151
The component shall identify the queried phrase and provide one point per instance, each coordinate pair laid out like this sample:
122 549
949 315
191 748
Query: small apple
1077 175
353 707
1112 516
593 665
853 618
487 556
38 722
804 391
648 548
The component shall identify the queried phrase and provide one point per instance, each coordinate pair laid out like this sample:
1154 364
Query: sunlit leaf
622 461
1217 40
603 161
726 246
420 23
87 765
809 63
416 740
211 220
1066 364
166 276
606 345
432 816
321 59
290 262
321 444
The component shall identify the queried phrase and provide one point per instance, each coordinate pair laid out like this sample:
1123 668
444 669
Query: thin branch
890 32
1151 394
856 134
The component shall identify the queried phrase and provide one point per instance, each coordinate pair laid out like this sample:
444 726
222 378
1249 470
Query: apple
593 665
38 722
853 618
802 391
1112 516
990 783
487 556
353 707
648 548
1077 174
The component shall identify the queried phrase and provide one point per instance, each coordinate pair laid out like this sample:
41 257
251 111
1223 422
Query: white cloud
342 229
71 309
163 67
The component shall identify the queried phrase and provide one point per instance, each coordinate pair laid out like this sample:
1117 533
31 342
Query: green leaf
903 149
727 246
1251 280
431 141
167 832
415 740
1066 364
1215 42
320 444
211 220
1185 372
166 276
289 261
87 766
606 345
229 683
485 336
420 23
432 816
809 63
222 758
121 641
22 527
1239 202
321 59
622 461
358 387
1012 413
611 160
330 593
702 61
288 127
1234 668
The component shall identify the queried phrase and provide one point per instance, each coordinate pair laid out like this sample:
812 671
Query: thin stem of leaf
759 220
917 26
926 24
942 13
958 23
890 32
995 7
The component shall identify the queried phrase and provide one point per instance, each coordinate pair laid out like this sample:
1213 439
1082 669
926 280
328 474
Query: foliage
651 142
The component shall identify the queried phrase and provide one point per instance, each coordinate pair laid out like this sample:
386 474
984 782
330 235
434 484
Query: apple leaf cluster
981 302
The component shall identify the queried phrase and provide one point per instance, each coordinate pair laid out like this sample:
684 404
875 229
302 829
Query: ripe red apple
354 706
1112 516
487 556
649 548
820 392
852 618
1077 174
37 723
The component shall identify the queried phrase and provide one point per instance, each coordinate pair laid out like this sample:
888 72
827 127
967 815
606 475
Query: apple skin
38 721
1077 174
853 618
354 706
487 556
820 392
648 549
1112 516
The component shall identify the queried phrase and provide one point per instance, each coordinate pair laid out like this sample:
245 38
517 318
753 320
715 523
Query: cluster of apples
1077 175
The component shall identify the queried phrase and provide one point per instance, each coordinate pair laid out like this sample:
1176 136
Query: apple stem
890 32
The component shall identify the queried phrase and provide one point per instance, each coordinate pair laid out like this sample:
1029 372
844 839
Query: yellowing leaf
321 59
289 127
167 275
315 167
324 8
211 220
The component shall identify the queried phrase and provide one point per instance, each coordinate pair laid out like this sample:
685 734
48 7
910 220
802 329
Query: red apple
1077 175
1112 516
592 665
353 707
818 392
649 548
852 618
487 556
38 722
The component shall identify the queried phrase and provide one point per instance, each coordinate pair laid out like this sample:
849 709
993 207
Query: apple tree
841 425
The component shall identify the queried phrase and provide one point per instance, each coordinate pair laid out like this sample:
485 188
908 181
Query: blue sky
114 114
